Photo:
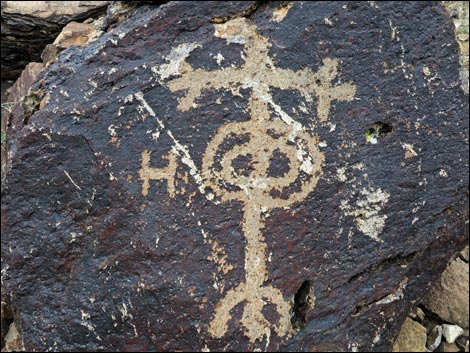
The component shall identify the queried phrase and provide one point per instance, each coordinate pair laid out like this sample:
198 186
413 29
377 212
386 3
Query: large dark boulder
235 176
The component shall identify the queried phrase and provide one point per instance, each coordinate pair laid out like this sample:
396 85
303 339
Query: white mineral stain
112 130
85 315
397 295
72 181
176 56
281 13
409 150
341 173
219 58
366 211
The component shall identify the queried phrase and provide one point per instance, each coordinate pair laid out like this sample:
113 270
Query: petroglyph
148 173
260 139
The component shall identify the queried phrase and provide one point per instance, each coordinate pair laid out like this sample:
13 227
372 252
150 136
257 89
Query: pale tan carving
167 173
263 135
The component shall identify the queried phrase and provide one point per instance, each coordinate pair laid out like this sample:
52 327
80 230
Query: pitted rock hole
379 130
303 299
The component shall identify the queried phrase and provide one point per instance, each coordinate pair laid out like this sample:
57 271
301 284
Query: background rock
13 112
412 338
448 297
28 26
128 271
460 14
448 347
73 34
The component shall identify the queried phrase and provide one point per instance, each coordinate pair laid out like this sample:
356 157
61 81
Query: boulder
28 26
448 298
239 176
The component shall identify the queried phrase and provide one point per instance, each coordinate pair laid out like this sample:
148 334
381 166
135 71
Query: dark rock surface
28 26
235 176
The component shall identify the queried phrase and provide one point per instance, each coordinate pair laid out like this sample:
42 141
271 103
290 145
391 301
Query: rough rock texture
74 33
28 26
412 337
448 297
460 14
6 108
13 111
236 176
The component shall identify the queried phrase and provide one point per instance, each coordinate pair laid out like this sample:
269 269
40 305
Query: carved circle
258 187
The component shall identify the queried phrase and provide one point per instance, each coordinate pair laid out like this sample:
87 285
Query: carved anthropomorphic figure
263 136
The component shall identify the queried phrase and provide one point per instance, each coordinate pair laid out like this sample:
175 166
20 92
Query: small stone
412 337
448 347
462 342
13 341
451 332
434 339
417 314
449 296
464 254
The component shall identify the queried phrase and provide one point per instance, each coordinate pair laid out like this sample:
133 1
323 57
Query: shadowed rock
28 26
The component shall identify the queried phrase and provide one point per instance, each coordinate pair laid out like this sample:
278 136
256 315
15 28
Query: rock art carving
258 140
